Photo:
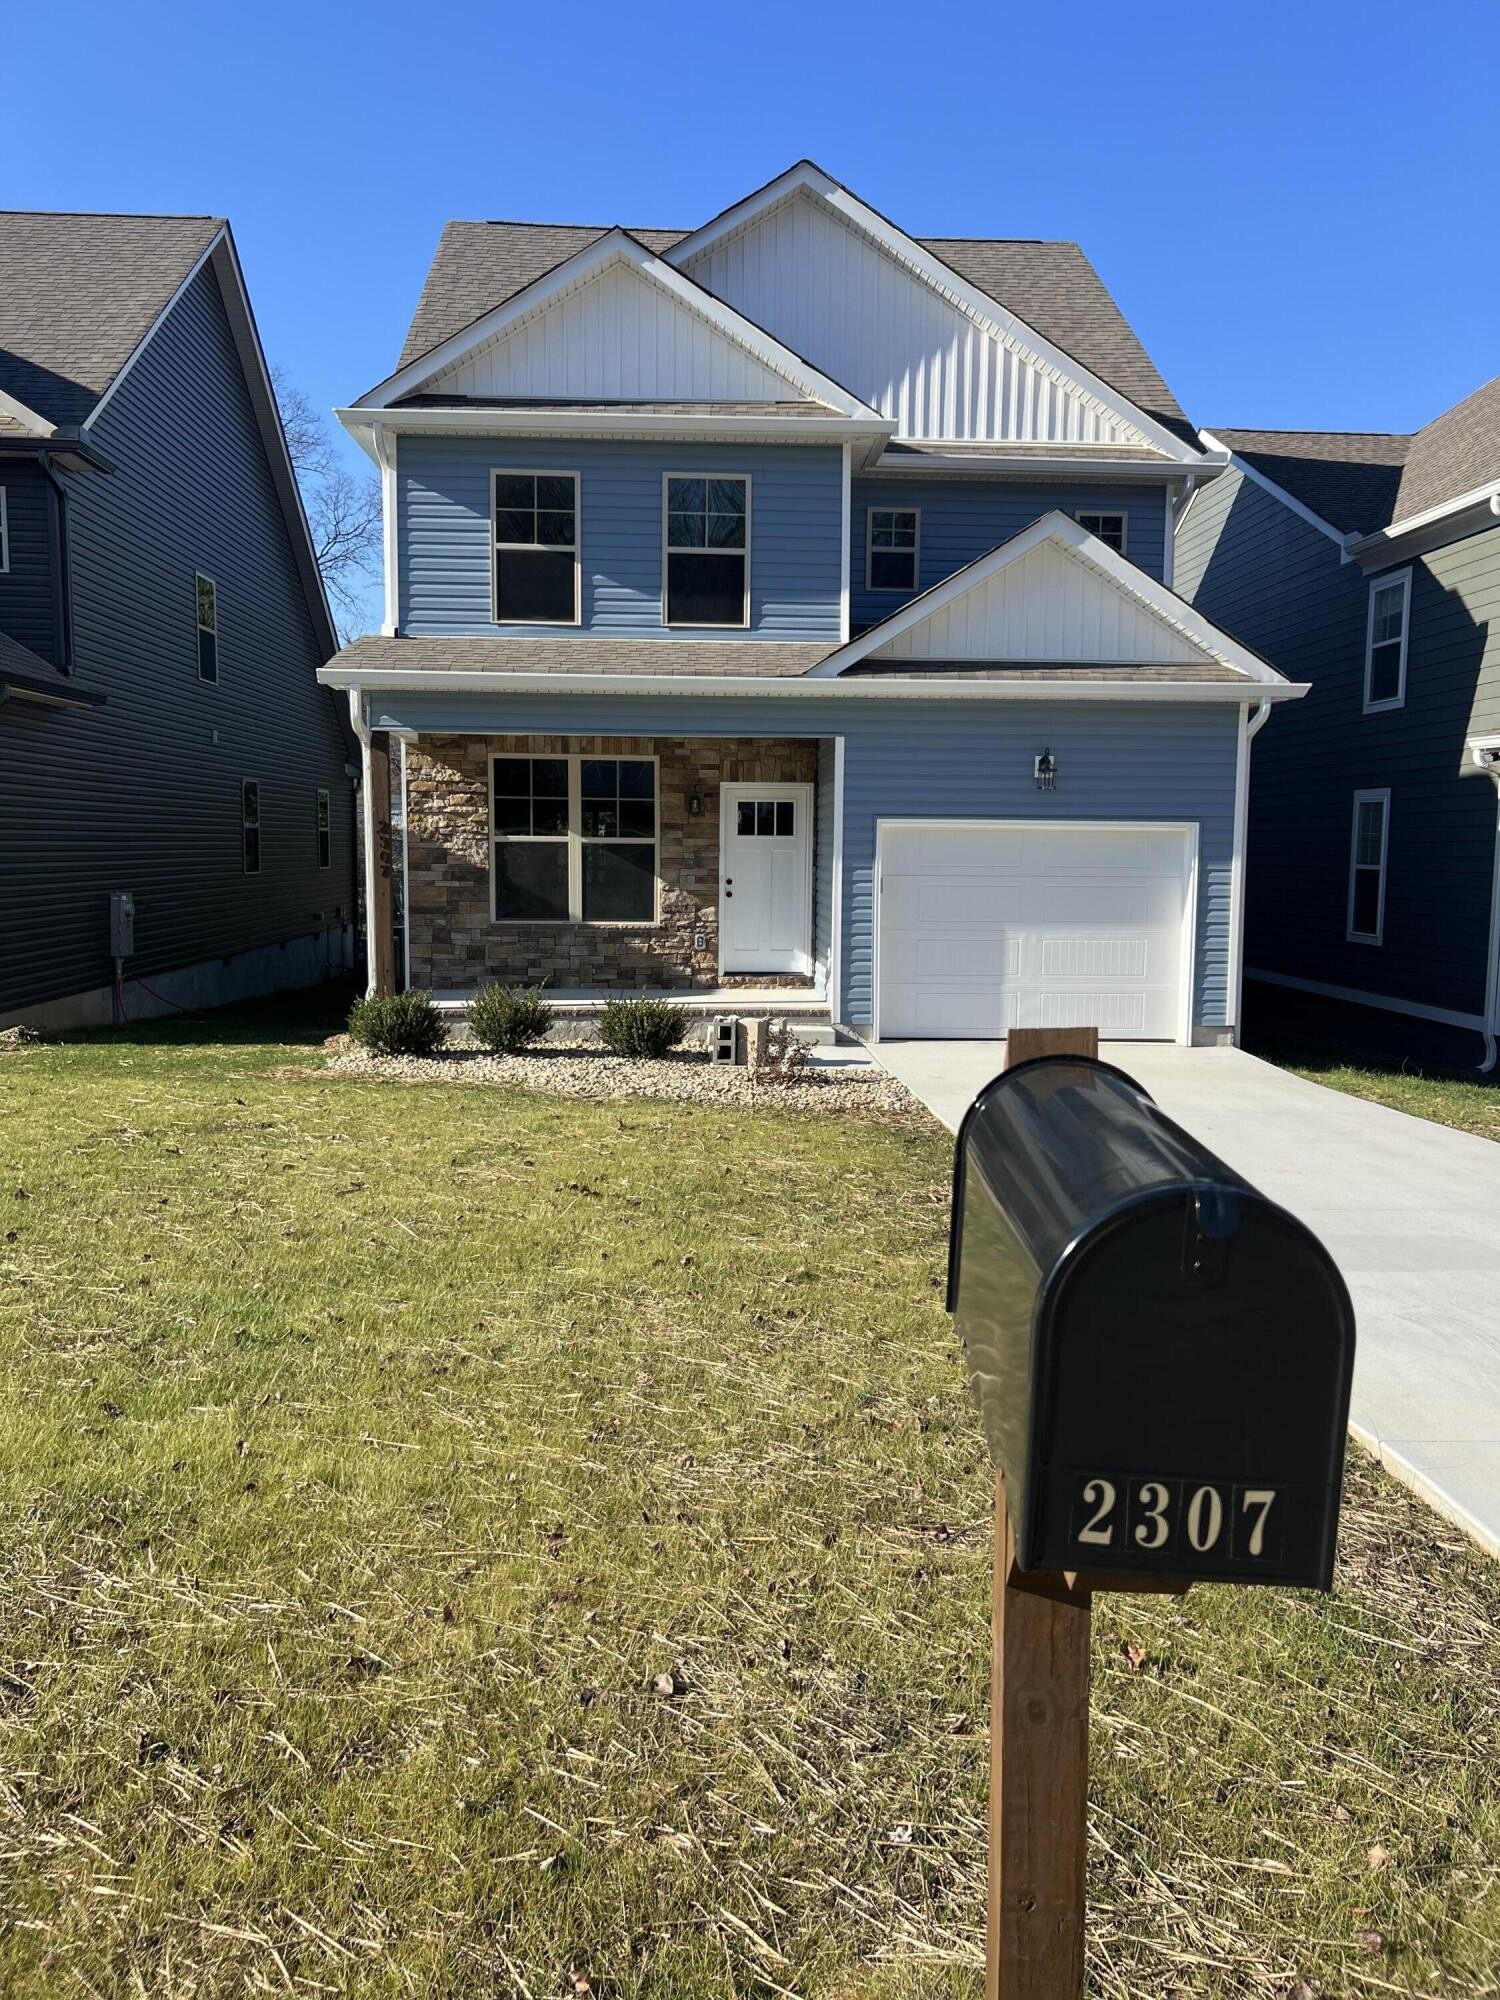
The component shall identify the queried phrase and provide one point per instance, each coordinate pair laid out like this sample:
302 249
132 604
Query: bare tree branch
343 509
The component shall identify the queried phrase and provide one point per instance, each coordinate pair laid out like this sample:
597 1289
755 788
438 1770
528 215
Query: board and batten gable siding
1279 584
444 547
144 793
28 610
963 519
939 760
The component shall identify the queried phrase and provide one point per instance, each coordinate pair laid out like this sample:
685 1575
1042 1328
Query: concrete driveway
1410 1211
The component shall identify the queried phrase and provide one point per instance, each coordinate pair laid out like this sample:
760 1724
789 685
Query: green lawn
461 1542
1472 1107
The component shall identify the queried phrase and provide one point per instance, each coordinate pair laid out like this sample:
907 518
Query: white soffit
879 312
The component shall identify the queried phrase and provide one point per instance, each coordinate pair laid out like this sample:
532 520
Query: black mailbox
1161 1356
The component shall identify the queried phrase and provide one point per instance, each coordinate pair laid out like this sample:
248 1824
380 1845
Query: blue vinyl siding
964 518
144 793
443 515
949 759
27 595
1276 582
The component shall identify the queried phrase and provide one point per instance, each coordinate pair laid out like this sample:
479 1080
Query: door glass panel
765 816
745 818
784 817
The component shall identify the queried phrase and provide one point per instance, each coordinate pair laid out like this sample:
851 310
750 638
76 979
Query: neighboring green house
162 733
1369 566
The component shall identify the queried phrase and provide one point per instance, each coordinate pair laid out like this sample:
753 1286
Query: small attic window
208 628
1107 528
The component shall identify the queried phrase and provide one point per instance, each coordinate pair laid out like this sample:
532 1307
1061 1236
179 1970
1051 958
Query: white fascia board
28 419
1063 530
1014 464
1379 544
561 422
1288 500
795 687
942 277
619 246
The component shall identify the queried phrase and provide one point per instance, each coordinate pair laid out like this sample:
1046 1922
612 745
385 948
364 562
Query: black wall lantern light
1045 770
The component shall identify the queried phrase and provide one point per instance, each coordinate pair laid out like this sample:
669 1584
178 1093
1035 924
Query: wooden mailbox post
1162 1359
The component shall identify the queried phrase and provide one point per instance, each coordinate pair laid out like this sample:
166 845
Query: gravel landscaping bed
579 1067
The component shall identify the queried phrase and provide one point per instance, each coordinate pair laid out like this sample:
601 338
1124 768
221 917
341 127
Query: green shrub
509 1018
398 1024
642 1027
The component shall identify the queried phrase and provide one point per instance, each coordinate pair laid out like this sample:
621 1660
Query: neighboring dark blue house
162 732
787 604
1369 566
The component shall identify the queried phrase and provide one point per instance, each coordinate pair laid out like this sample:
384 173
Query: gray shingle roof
483 653
1052 286
77 295
965 670
1360 481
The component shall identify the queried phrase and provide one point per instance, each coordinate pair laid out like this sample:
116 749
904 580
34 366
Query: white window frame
4 533
576 840
246 825
894 589
667 549
201 576
556 548
1119 514
1382 796
1377 584
323 825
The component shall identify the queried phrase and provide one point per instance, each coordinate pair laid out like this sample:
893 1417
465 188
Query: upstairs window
4 534
536 548
1107 528
250 825
574 840
707 551
325 831
1368 841
1385 641
207 598
891 548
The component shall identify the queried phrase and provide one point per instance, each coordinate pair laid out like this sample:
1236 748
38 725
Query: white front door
765 878
991 925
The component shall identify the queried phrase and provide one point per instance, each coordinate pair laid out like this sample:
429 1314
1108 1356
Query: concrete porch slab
1410 1210
797 1002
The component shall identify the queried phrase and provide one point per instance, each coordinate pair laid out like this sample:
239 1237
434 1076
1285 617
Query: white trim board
1444 1016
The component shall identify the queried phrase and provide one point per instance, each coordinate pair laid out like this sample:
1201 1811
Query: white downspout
362 731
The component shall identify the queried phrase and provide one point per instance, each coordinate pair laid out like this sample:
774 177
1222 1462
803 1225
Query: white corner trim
385 450
1062 530
618 246
846 528
1288 500
807 178
406 877
836 891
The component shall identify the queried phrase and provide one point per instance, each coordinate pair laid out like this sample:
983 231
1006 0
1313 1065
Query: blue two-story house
787 604
176 799
1368 565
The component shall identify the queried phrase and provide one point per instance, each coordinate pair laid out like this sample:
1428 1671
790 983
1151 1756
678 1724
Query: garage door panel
986 927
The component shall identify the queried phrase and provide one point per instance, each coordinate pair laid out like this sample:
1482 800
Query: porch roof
732 659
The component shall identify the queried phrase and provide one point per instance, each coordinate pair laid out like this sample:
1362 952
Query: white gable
616 336
1053 605
811 275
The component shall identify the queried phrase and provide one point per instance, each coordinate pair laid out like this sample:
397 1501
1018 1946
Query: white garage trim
1188 829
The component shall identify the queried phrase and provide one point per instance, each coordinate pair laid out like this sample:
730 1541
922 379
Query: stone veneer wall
453 941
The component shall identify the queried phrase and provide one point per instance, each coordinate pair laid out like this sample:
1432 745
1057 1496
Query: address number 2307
1177 1517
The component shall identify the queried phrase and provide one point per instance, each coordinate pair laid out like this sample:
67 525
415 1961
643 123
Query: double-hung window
574 839
250 825
891 537
707 550
1385 641
536 548
4 533
325 831
1107 528
207 598
1368 842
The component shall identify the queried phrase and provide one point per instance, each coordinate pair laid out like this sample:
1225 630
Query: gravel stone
579 1067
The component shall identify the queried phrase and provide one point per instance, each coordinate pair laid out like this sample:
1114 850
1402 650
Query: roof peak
118 214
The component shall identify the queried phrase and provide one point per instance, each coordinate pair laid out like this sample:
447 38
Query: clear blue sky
1295 204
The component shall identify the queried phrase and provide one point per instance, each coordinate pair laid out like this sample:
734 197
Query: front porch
696 870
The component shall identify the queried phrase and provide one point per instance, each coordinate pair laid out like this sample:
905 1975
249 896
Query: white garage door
987 926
